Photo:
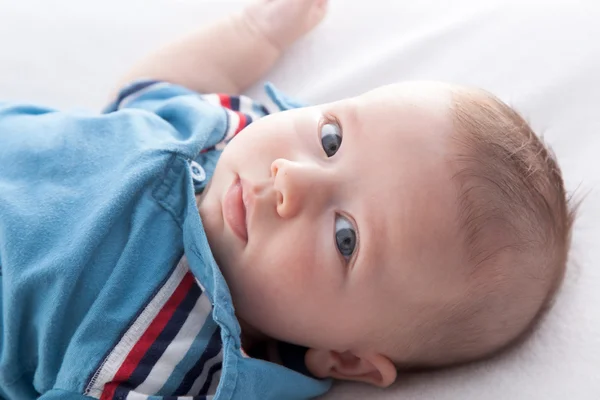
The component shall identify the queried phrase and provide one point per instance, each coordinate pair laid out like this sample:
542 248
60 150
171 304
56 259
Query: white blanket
543 57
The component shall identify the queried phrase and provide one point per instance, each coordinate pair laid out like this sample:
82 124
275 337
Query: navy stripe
94 376
212 350
249 120
165 338
131 89
209 378
120 393
235 103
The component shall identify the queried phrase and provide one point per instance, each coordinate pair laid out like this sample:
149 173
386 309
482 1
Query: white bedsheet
543 57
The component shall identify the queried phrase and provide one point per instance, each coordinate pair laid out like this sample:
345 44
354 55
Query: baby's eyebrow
372 240
350 118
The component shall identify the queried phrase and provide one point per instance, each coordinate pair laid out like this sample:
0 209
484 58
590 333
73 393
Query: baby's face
347 248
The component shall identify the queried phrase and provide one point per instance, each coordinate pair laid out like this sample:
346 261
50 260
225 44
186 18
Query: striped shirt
108 286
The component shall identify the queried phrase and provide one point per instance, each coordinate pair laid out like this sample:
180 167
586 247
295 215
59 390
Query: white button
198 173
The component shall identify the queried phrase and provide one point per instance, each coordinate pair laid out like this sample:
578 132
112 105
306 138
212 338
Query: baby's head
418 225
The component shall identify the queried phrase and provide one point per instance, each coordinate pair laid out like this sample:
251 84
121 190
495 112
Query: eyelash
357 243
330 119
327 119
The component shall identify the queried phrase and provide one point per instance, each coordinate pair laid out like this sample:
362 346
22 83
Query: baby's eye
345 236
331 138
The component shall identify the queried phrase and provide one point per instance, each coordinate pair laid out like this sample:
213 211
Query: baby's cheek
289 269
272 134
251 154
281 273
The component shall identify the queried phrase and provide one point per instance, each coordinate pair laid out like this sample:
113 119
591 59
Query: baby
145 254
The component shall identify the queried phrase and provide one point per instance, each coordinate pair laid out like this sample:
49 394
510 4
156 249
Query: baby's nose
299 186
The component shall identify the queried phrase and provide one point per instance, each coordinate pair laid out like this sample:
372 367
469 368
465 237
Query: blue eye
345 236
331 138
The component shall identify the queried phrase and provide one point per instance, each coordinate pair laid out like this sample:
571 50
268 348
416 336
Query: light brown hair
516 225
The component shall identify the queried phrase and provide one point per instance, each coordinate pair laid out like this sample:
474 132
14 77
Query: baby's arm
234 53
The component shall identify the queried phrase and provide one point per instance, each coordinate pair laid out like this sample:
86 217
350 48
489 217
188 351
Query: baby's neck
257 345
251 336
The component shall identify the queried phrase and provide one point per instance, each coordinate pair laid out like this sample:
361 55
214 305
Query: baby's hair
516 224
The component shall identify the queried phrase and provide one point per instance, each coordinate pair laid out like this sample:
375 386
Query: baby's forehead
435 96
387 110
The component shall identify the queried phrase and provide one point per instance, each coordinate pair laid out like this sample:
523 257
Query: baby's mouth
234 209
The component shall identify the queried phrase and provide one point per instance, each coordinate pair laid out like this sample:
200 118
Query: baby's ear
372 368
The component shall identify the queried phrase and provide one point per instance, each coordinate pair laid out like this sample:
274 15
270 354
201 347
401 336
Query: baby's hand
282 22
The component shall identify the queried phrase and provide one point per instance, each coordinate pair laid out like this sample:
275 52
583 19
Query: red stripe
225 100
149 336
109 391
242 123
